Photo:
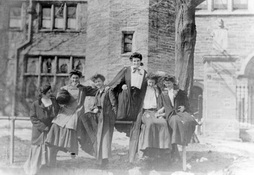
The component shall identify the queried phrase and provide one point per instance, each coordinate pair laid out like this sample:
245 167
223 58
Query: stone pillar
220 118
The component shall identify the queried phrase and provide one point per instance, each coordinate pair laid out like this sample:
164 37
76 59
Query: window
220 4
225 7
202 6
240 4
59 17
127 42
71 17
46 17
54 70
15 17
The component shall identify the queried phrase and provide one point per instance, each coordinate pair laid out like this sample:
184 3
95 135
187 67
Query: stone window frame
124 33
52 6
54 74
230 10
21 19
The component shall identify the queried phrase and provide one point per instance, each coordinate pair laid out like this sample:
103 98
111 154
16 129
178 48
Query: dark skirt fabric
63 139
182 127
86 130
154 133
129 104
104 136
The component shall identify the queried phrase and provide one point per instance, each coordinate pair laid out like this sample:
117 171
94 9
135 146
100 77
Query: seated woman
42 113
176 105
154 138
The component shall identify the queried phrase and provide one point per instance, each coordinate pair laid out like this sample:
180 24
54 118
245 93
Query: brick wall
161 37
220 98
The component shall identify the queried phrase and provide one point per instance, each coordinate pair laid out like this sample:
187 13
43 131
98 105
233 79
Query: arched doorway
245 93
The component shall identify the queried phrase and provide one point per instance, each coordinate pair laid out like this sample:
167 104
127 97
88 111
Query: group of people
158 109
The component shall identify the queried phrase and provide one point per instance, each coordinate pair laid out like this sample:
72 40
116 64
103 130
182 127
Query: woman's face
48 93
74 79
136 62
99 83
168 84
151 82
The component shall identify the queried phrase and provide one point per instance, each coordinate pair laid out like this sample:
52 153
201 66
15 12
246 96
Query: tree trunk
185 42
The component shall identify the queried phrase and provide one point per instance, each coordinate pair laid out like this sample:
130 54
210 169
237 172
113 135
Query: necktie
136 69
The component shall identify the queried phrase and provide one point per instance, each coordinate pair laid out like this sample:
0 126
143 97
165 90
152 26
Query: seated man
154 138
181 123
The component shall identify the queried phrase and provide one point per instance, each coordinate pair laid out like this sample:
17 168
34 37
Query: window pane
220 4
78 63
15 17
47 65
71 12
71 23
240 4
46 11
32 65
59 11
127 42
59 20
46 17
202 6
71 17
62 66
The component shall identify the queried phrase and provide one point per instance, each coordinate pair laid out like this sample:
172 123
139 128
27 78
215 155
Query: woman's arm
119 79
35 121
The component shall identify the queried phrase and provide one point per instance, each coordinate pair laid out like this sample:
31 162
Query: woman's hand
181 109
95 110
124 87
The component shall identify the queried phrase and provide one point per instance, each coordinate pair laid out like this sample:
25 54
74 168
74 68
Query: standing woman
105 107
63 133
129 86
41 115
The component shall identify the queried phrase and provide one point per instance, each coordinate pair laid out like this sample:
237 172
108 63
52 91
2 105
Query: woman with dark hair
63 133
129 86
42 113
154 140
105 108
175 103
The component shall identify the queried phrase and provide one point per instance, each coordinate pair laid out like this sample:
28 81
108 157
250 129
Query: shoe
73 155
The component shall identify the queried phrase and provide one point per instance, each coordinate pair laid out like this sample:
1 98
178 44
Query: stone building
223 65
42 43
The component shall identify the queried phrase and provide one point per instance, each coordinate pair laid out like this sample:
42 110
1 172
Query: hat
63 97
153 76
75 72
44 89
136 55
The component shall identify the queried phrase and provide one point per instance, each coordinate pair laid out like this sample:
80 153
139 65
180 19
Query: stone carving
220 37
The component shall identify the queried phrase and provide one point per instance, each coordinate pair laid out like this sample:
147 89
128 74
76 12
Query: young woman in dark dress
129 87
42 113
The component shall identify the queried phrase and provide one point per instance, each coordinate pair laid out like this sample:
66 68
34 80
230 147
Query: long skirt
104 136
39 155
154 134
87 130
63 139
182 127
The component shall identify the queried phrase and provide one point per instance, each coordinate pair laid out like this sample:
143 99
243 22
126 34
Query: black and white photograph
126 87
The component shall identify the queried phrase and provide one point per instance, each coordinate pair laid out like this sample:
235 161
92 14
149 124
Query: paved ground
210 156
